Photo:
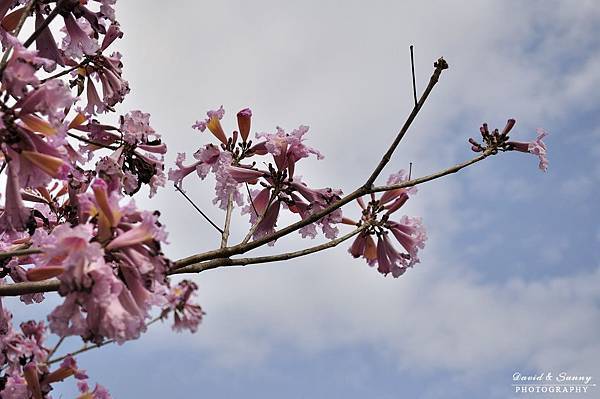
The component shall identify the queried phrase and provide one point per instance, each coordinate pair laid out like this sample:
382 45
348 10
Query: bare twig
88 141
412 67
86 348
198 209
53 14
440 65
53 351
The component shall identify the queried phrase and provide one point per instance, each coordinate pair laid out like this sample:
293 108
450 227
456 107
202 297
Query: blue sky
508 280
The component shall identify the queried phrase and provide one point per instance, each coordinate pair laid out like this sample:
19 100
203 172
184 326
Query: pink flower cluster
408 232
25 359
234 163
67 174
499 141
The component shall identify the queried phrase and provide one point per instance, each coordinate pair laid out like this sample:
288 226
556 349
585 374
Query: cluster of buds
500 141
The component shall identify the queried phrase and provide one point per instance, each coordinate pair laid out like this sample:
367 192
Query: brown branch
20 252
212 264
226 252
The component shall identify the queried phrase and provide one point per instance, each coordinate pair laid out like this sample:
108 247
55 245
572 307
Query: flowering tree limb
65 223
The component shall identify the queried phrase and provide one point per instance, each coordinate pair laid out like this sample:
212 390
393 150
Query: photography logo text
549 382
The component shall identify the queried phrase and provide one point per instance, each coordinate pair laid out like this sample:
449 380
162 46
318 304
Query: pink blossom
99 391
45 43
269 221
288 148
15 388
186 315
15 216
78 42
136 128
148 230
244 174
213 123
177 175
536 147
50 98
21 68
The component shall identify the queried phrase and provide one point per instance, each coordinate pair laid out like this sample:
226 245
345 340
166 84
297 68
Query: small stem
440 65
198 209
225 234
60 341
20 252
412 66
88 141
66 71
251 200
86 348
53 14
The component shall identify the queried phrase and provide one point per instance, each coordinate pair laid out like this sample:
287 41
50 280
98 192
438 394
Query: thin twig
20 252
251 200
440 65
53 14
66 71
86 348
226 227
88 141
198 209
412 66
53 351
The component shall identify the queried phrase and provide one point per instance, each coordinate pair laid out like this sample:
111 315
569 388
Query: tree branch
202 266
213 259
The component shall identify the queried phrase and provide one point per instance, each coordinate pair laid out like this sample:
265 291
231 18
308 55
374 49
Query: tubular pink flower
141 233
52 166
50 98
267 225
45 43
78 41
105 207
15 388
177 175
15 216
536 147
213 123
186 315
244 175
